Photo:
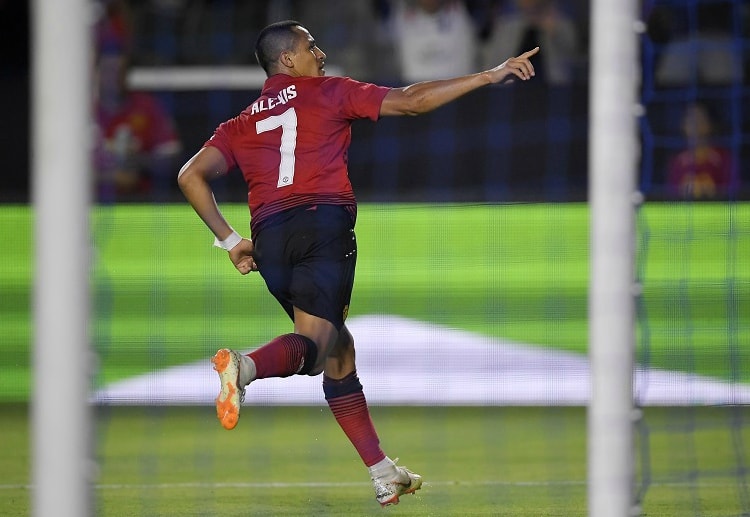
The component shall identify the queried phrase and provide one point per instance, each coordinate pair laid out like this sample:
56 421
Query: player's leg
296 353
307 260
344 394
345 397
282 356
319 245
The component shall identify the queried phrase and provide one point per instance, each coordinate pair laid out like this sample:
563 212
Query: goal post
61 140
615 73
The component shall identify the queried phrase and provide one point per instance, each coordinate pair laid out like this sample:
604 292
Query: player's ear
285 58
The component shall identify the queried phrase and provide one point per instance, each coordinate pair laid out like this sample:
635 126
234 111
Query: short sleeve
360 100
222 140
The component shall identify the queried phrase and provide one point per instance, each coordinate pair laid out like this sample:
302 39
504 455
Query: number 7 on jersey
287 121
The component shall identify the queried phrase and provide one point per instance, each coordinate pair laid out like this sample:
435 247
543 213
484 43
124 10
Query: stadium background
543 126
511 161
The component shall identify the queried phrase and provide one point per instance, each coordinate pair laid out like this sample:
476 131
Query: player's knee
344 347
318 366
316 370
310 360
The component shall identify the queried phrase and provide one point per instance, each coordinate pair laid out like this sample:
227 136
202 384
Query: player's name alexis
284 96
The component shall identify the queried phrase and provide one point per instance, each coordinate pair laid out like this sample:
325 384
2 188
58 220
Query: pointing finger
524 67
530 53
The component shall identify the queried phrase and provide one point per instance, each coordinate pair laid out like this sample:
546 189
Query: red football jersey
147 123
701 172
291 144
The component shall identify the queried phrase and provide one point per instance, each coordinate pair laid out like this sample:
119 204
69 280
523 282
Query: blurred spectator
483 13
136 140
433 39
536 23
697 45
703 170
115 25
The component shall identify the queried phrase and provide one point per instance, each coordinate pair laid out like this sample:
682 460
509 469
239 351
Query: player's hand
242 256
520 67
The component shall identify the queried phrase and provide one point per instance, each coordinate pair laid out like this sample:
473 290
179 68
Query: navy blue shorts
307 257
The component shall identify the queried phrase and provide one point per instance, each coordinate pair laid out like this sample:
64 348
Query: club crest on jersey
284 96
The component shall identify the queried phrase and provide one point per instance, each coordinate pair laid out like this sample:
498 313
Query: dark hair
273 40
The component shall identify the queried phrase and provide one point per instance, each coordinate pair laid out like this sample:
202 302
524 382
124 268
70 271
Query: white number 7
287 121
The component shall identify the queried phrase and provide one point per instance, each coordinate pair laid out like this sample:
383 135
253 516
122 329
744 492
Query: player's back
291 143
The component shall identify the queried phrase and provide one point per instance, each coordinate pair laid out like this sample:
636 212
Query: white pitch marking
407 362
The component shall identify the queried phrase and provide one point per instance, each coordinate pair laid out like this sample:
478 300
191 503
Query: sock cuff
333 388
290 354
309 351
383 467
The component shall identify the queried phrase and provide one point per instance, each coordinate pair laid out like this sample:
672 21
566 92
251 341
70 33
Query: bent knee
316 370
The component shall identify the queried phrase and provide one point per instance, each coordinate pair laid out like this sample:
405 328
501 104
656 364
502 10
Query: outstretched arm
194 178
419 98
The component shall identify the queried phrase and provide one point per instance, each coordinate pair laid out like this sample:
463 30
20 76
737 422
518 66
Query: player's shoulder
331 81
324 83
324 89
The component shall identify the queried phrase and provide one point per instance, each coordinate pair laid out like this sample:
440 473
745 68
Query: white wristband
228 243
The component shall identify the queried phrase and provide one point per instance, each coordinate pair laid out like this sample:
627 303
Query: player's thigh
323 276
308 261
274 264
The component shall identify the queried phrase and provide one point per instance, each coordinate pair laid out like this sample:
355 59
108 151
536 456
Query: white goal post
613 157
62 467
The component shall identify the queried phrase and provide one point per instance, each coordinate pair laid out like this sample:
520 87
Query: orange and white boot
227 364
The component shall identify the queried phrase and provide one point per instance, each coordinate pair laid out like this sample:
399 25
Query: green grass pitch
178 461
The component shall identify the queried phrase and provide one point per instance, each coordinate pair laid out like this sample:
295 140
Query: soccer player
291 145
